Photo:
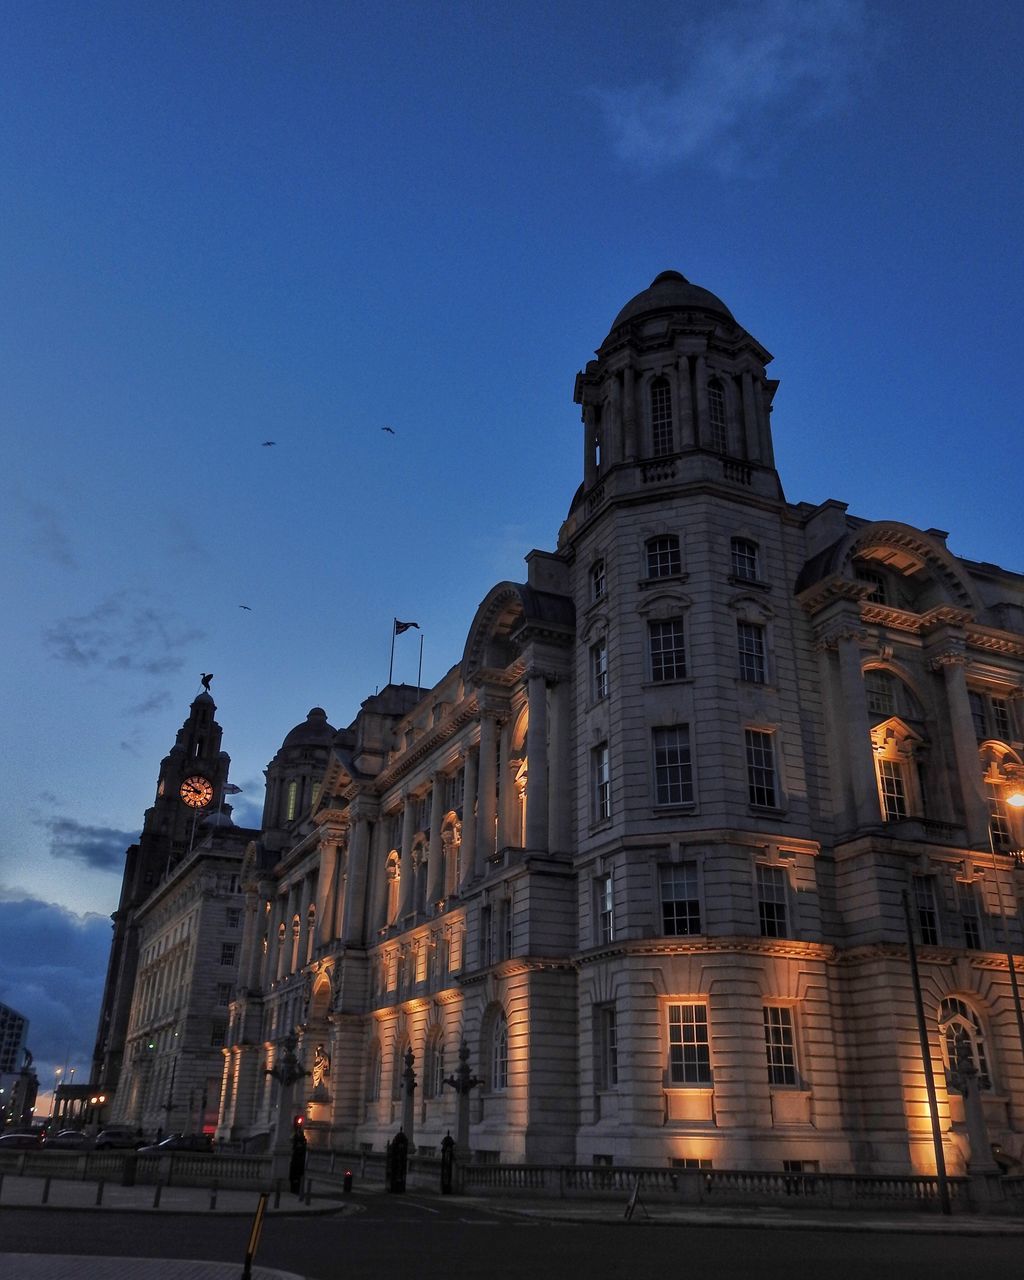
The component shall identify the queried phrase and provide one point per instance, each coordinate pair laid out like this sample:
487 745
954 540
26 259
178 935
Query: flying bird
247 608
268 444
389 430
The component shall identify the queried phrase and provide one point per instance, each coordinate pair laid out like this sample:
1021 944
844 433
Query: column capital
952 655
831 634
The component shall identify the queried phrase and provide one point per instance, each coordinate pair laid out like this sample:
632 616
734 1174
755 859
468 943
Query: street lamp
1016 801
53 1096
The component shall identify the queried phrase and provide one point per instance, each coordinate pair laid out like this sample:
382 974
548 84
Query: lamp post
53 1096
1016 801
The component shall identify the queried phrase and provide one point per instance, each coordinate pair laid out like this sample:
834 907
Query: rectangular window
875 580
661 418
599 670
893 789
779 1044
673 767
761 768
663 558
750 638
771 901
977 713
999 819
879 689
689 1051
668 651
234 917
744 560
604 908
228 952
607 1048
598 580
223 994
970 913
505 928
217 1036
716 418
927 910
1001 719
486 936
601 784
680 899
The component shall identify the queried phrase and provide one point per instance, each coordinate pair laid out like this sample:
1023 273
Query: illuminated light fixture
1016 799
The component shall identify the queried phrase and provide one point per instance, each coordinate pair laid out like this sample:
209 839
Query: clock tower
190 786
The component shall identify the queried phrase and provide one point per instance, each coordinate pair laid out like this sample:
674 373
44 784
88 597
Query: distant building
644 849
13 1035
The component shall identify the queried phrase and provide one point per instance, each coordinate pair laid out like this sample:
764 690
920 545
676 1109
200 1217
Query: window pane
680 900
893 790
597 580
771 900
744 560
689 1056
599 670
927 911
718 437
661 418
601 782
673 771
779 1045
760 767
604 902
750 638
668 652
881 693
608 1047
663 558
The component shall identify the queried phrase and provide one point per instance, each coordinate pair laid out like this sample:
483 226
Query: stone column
407 875
750 427
506 789
486 798
952 661
857 727
629 440
284 946
700 375
537 761
612 413
378 915
559 817
356 880
684 403
251 956
469 800
589 445
325 885
435 859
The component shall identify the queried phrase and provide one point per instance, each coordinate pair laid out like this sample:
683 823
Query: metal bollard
213 1196
99 1193
277 1194
346 1186
46 1189
156 1195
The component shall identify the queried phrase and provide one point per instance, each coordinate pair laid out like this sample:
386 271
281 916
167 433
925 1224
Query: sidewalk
29 1192
45 1266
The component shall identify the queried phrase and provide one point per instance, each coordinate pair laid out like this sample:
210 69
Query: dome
671 291
313 732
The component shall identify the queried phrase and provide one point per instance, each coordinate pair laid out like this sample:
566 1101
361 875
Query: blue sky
226 224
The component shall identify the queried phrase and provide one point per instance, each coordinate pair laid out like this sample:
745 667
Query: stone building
644 848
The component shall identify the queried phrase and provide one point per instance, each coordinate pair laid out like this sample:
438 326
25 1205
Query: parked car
20 1141
69 1140
195 1142
121 1137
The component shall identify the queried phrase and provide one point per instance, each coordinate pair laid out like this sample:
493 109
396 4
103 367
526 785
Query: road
432 1239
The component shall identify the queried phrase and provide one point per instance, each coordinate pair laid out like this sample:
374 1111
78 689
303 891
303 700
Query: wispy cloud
99 847
48 536
747 74
123 633
155 702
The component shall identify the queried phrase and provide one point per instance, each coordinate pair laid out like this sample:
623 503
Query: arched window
663 559
718 436
499 1052
373 1073
291 800
956 1016
662 441
433 1081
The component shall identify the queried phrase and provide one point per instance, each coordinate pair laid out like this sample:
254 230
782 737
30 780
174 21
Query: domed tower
678 391
295 773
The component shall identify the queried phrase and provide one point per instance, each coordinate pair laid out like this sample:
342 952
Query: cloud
748 75
155 702
48 536
122 634
99 847
52 968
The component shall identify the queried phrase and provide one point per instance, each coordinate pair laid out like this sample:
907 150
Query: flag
231 790
404 626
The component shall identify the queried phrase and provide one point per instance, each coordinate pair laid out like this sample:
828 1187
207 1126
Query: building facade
645 849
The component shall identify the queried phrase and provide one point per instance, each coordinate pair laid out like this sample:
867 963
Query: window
999 817
661 418
598 581
927 909
228 952
223 994
234 917
680 899
689 1053
718 437
499 1053
504 938
970 913
956 1017
873 579
745 560
761 768
977 713
779 1045
373 1073
668 650
881 693
434 1076
991 716
604 908
599 670
892 786
673 769
291 801
750 640
771 900
607 1047
663 557
217 1033
601 785
486 936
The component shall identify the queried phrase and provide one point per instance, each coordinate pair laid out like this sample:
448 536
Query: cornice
775 948
465 713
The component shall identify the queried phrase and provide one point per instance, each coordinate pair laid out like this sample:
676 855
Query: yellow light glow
1016 799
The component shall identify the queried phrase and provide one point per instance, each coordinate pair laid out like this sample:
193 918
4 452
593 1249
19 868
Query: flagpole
391 664
419 672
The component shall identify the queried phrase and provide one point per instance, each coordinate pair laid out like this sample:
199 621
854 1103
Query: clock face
197 791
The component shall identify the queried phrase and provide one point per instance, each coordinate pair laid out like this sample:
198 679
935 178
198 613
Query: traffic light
299 1121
